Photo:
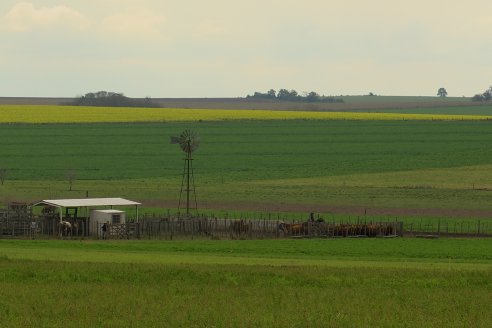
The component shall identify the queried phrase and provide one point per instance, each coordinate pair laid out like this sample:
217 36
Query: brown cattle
293 229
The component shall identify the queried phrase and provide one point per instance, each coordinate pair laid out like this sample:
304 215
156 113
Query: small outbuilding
94 216
100 217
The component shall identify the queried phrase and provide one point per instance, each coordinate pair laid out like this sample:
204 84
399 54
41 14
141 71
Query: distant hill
350 103
33 100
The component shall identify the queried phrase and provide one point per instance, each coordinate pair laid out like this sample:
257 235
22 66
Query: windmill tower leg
188 160
188 143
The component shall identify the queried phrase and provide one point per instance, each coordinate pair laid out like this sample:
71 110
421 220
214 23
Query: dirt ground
346 210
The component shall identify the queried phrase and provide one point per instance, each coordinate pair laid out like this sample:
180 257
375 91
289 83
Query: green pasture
261 166
286 283
399 251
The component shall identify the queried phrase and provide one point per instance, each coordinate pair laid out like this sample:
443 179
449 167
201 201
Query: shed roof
108 211
87 202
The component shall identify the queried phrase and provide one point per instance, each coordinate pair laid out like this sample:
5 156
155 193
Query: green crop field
259 165
286 283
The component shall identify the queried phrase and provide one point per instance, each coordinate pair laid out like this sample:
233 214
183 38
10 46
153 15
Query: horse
65 229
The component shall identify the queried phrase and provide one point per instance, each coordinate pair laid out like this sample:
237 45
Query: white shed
99 217
93 219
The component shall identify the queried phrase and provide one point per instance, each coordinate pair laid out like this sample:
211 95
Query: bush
486 96
293 95
111 99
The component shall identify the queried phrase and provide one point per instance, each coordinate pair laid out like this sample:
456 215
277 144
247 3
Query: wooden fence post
171 221
192 228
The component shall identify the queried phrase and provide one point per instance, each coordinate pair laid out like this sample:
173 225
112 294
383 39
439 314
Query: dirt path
349 210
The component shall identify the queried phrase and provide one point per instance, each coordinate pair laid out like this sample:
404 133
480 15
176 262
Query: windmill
188 142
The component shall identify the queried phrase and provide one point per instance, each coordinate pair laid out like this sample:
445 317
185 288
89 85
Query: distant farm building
84 216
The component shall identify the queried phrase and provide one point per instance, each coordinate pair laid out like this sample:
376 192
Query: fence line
479 228
196 228
268 226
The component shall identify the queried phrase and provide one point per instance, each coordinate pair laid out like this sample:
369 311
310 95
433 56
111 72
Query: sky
231 48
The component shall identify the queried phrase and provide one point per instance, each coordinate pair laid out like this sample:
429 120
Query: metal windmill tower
188 142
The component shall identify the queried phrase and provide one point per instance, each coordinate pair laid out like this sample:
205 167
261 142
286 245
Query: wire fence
438 227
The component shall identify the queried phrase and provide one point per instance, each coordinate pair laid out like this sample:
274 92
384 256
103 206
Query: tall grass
77 291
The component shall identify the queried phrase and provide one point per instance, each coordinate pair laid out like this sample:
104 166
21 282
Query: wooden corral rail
326 229
15 228
215 228
122 230
15 220
37 227
19 211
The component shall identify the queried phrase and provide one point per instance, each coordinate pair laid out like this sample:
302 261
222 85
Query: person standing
104 229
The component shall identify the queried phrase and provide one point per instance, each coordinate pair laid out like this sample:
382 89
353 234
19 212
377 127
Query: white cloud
223 47
24 17
141 24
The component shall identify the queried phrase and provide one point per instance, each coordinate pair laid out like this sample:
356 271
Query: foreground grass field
285 283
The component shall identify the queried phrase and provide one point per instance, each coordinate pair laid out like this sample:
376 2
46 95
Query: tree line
110 99
485 96
293 95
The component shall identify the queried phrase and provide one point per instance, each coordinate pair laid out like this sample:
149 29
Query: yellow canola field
73 114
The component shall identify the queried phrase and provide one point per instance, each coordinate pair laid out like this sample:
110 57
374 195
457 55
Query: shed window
115 219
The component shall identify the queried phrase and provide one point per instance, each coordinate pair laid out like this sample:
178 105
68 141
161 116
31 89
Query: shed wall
99 217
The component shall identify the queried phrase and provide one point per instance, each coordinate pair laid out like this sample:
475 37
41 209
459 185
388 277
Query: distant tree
442 92
3 175
111 99
71 176
488 94
259 95
292 95
148 102
485 96
283 94
312 97
478 97
272 93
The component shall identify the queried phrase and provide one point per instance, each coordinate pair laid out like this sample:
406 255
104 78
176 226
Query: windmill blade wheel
189 141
